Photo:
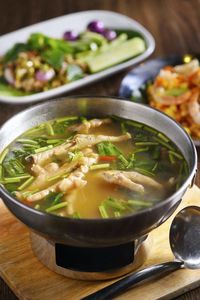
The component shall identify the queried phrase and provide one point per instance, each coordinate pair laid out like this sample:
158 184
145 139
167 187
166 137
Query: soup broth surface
92 168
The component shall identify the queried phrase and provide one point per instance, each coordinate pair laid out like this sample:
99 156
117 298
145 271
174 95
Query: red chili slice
107 158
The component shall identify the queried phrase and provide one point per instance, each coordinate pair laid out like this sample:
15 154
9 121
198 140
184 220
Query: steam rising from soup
92 168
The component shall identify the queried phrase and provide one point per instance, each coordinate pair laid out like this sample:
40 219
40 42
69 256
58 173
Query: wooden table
175 24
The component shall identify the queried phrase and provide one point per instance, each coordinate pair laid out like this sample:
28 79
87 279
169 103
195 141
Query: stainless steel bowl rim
188 183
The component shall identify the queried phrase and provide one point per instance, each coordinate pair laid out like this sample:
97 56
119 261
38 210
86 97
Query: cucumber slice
118 54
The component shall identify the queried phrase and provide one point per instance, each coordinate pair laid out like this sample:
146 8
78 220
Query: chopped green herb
160 141
27 141
99 166
26 183
163 137
37 206
147 128
115 203
57 206
103 212
146 143
117 214
123 160
49 129
64 119
3 155
175 154
123 128
43 149
134 124
144 172
76 215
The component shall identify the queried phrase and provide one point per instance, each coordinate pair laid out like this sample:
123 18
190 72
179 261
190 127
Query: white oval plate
78 22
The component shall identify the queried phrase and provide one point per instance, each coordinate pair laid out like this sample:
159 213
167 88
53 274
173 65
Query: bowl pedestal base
90 263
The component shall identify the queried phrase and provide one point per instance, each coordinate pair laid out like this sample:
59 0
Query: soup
92 168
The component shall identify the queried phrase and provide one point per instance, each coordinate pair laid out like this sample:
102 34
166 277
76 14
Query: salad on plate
43 62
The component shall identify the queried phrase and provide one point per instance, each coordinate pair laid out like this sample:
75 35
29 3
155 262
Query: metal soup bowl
97 232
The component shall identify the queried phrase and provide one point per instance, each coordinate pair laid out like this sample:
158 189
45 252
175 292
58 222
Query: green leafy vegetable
54 57
74 72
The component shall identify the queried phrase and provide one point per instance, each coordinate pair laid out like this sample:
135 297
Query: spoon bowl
185 237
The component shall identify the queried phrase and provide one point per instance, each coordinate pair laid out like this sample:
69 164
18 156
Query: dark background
175 24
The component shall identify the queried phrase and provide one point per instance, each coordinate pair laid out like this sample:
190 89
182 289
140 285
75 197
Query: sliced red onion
45 76
70 36
8 74
96 26
110 34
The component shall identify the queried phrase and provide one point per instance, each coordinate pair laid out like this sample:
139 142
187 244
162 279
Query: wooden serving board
30 280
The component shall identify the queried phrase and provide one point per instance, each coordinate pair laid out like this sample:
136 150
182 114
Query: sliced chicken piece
40 158
80 141
84 140
84 127
117 177
53 170
73 181
125 179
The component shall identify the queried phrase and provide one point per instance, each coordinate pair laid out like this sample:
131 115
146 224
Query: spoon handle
129 281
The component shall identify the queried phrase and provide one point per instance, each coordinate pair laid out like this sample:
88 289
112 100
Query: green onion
83 120
18 166
156 153
57 198
99 166
141 150
9 169
139 203
3 155
146 143
37 206
115 203
49 129
26 183
171 158
134 124
27 141
103 212
10 180
123 128
163 137
43 149
185 167
147 128
57 206
1 172
34 130
131 161
30 146
175 154
76 215
28 193
55 141
117 214
60 120
107 148
123 160
155 167
167 145
144 172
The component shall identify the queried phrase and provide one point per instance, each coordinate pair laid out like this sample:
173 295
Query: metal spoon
185 244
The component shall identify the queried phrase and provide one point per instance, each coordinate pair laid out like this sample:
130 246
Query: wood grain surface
175 24
31 280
